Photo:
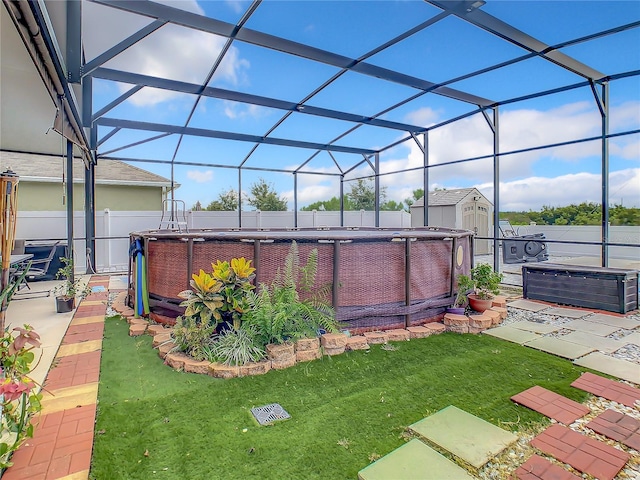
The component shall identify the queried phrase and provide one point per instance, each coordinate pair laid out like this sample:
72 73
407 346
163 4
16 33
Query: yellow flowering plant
235 278
203 301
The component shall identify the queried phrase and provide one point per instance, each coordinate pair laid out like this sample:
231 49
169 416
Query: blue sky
446 50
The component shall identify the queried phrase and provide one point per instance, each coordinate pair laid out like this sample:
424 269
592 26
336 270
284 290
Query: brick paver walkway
63 437
538 468
583 453
549 403
609 389
618 426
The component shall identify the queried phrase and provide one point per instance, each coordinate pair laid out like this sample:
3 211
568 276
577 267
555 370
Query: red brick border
581 452
549 403
609 389
539 468
618 426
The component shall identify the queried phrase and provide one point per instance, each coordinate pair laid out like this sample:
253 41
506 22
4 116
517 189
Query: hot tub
380 278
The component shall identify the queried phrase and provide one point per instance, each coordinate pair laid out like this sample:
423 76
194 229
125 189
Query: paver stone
464 435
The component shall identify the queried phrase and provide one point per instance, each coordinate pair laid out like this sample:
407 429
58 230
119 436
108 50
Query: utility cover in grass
464 435
416 461
269 413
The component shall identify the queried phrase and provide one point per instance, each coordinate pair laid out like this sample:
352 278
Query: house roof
447 197
50 168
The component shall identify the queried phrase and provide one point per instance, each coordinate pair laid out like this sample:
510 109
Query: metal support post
90 216
295 199
425 178
496 189
377 190
69 193
342 200
605 174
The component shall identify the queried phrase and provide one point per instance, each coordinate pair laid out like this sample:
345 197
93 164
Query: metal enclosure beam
241 137
377 189
69 195
496 189
472 14
74 40
295 200
90 216
141 80
425 178
342 200
217 27
605 172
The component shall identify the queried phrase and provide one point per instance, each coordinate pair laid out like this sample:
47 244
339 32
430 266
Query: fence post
106 222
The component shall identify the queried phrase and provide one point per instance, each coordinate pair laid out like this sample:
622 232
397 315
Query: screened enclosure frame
79 71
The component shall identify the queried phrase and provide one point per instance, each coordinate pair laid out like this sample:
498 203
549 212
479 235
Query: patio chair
18 247
38 267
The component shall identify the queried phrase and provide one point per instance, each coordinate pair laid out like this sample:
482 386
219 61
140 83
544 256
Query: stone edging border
306 349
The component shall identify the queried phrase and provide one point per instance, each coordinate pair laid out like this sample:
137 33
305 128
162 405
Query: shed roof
50 168
447 197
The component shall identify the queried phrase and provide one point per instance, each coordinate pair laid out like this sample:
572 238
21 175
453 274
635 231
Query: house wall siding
48 196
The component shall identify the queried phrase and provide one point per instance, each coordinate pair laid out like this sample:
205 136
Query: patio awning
47 61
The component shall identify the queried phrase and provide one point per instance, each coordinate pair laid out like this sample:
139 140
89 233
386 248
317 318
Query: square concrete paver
528 305
603 344
613 366
464 435
632 338
585 454
413 460
622 428
512 334
536 327
560 347
591 327
567 312
620 322
610 389
551 404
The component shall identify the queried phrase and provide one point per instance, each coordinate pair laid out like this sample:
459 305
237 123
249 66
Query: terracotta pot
479 304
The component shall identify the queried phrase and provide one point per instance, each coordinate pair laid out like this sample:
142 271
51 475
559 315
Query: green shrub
236 347
278 313
192 336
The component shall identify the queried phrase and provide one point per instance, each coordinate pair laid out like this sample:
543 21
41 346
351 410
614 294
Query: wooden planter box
611 289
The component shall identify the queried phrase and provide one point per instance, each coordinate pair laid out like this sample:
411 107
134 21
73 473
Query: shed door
475 217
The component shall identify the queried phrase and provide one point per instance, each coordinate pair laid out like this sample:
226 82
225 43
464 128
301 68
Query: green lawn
154 422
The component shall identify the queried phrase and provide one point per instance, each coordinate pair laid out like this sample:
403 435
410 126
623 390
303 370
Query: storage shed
463 208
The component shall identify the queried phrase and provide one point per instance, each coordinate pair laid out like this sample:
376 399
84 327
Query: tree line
263 196
585 213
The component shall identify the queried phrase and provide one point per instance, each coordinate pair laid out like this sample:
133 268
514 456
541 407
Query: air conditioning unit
525 248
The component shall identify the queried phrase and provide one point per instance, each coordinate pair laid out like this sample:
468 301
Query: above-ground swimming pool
380 278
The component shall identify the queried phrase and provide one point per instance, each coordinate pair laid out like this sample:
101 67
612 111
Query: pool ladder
173 216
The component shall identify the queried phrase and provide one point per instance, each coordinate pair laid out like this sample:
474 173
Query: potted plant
70 288
486 284
465 284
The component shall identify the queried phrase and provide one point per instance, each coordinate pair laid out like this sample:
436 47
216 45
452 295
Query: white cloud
200 176
423 116
235 5
235 110
173 52
519 129
534 192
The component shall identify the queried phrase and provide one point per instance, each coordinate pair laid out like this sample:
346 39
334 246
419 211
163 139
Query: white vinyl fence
113 228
